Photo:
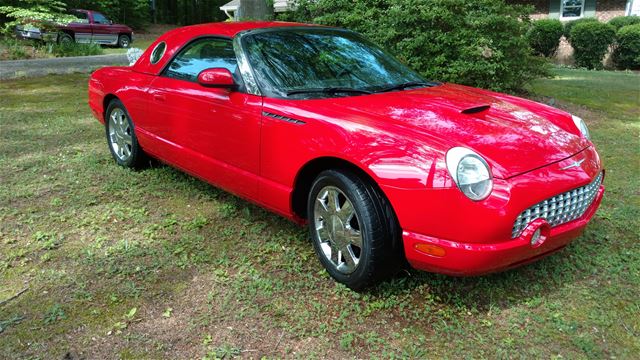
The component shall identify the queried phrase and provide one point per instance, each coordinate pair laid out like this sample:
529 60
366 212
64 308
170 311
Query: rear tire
65 38
121 137
124 41
353 229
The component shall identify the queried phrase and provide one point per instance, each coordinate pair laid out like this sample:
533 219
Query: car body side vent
284 118
476 109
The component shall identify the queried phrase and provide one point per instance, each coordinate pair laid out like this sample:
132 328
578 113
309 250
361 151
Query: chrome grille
559 209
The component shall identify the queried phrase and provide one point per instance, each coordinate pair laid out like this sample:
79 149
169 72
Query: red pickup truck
91 26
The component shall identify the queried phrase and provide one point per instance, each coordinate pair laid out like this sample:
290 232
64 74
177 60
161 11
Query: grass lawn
158 264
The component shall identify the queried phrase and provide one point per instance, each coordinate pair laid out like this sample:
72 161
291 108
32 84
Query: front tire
124 41
353 229
121 137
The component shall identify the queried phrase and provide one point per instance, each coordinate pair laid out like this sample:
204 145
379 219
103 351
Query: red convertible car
321 126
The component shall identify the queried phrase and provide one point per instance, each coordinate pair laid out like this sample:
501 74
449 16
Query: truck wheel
124 41
65 38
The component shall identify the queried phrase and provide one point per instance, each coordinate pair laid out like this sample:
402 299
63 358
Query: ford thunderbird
385 167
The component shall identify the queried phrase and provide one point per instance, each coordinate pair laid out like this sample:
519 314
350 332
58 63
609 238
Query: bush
544 36
74 49
620 21
627 52
570 24
590 42
480 43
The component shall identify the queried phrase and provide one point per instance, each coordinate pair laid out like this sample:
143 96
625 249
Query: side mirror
216 77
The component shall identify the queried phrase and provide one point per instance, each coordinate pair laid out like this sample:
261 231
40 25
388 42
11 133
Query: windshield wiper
408 85
328 90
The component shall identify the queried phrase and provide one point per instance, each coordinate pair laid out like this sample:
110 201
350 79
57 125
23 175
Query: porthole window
158 52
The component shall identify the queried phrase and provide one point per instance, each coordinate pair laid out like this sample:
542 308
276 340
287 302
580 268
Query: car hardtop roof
176 38
229 29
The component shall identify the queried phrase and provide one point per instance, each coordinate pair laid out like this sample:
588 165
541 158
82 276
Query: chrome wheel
338 229
120 136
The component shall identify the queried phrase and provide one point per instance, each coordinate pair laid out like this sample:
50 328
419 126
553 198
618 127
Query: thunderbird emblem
574 164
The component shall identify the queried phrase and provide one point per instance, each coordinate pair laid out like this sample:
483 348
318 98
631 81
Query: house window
571 9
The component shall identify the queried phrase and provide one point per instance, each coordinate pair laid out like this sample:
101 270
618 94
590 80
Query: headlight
582 126
470 172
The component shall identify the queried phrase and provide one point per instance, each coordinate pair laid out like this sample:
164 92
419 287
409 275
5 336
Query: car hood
514 135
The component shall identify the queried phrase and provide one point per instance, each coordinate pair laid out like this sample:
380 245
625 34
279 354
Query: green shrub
480 43
75 49
544 36
627 51
590 42
570 24
620 21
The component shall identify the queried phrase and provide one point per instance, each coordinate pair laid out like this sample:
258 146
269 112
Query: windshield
301 62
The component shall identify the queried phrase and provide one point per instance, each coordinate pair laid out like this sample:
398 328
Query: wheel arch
308 173
105 103
310 170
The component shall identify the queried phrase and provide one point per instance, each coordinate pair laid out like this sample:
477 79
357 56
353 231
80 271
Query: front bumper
456 236
464 259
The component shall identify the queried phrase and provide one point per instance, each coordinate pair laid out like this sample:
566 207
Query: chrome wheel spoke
346 212
321 210
323 234
126 138
354 237
334 257
349 257
332 201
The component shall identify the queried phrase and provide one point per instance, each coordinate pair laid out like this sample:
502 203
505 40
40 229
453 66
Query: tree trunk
254 10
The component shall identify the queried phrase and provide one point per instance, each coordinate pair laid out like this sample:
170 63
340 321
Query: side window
83 17
200 55
99 18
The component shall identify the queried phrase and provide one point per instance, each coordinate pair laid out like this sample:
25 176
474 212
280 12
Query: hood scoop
476 109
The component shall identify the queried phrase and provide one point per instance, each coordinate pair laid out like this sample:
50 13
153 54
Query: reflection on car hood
513 134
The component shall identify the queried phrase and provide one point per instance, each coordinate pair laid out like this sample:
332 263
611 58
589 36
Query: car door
81 27
213 133
102 33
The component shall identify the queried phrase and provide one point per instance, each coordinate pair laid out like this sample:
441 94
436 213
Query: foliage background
480 43
47 12
626 54
135 13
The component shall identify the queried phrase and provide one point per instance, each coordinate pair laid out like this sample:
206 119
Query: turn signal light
430 249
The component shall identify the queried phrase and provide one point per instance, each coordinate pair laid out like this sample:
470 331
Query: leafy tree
255 10
47 13
474 42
